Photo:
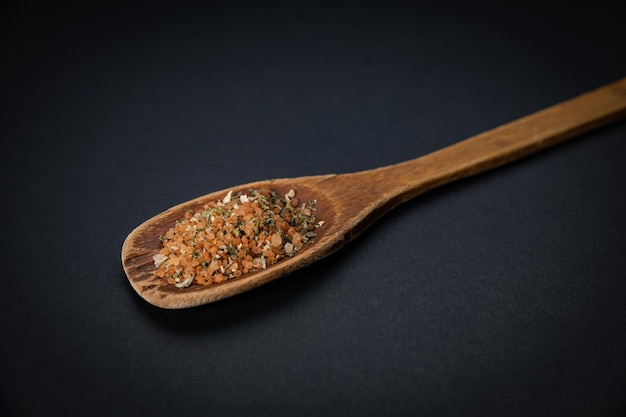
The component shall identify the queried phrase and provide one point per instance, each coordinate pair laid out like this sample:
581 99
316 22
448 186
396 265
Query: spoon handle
504 144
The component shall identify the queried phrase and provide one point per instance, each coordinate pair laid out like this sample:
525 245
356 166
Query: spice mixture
241 233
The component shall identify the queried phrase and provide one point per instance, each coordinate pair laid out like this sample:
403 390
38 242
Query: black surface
498 295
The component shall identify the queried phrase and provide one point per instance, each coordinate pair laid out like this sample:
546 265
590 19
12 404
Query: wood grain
349 203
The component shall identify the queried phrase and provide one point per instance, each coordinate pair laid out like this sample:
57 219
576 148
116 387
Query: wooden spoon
348 203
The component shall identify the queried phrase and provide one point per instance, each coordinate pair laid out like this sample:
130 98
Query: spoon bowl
349 203
143 243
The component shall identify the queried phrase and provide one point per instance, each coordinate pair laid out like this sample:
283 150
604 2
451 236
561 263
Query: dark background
503 294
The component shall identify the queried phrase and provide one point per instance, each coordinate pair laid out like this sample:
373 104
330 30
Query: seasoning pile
241 233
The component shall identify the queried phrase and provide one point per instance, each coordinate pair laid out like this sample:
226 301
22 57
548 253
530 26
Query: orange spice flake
239 234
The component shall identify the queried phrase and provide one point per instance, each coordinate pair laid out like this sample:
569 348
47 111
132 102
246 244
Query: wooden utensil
348 203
